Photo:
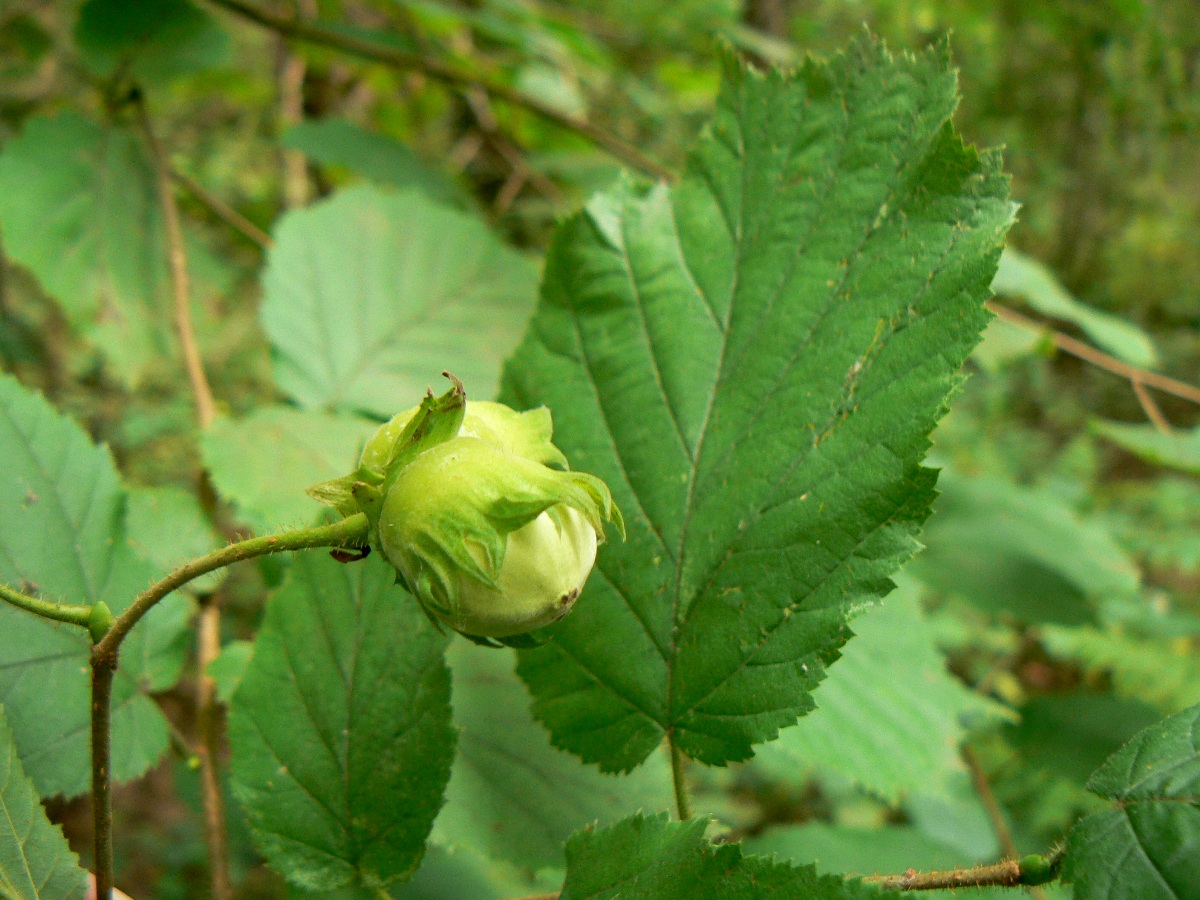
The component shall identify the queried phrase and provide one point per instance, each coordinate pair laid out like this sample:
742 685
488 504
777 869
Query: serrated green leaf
340 729
1147 846
1021 552
512 796
889 716
653 858
1159 672
263 462
1176 450
153 40
67 187
35 861
370 295
62 536
1020 275
374 156
753 360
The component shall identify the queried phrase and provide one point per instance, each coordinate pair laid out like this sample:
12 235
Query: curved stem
683 807
72 615
304 30
350 532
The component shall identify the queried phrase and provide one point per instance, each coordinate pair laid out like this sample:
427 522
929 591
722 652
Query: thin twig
223 210
72 615
350 532
988 797
291 112
301 29
1150 408
1090 354
208 732
206 410
683 807
106 651
995 813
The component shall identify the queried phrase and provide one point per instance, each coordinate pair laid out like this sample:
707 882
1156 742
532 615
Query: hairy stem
301 29
72 615
206 409
683 806
103 668
1028 871
350 532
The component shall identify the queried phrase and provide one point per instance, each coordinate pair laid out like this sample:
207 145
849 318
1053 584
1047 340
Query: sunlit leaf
262 463
371 295
1176 450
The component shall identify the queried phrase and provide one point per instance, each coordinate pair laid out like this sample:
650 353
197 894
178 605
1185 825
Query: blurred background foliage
1056 610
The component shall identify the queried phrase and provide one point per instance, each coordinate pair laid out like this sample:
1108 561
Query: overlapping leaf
890 716
79 210
370 295
341 732
650 857
262 463
512 796
1147 847
62 536
1020 275
374 156
1175 450
152 40
35 861
753 360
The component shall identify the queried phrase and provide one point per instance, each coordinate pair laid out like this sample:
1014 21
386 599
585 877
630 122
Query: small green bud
478 512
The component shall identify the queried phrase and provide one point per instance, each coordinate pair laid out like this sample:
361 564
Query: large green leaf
512 796
890 716
35 861
1020 275
753 361
263 462
374 156
62 536
650 857
1147 846
370 295
1021 552
340 728
152 40
79 210
1176 450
